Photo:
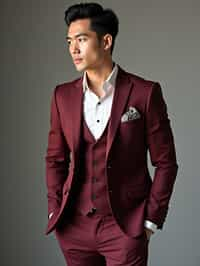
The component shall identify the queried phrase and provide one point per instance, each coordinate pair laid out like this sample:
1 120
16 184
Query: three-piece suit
105 184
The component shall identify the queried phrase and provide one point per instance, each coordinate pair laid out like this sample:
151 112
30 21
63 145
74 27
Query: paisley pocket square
131 114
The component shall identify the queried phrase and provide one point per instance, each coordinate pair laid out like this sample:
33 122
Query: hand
148 233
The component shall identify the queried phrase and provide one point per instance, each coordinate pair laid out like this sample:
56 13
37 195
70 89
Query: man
102 202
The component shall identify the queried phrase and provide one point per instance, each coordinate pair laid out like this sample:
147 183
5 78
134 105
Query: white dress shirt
97 112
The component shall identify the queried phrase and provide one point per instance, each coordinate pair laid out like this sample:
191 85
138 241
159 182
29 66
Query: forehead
79 26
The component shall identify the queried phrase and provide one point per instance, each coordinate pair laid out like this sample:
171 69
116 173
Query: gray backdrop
158 40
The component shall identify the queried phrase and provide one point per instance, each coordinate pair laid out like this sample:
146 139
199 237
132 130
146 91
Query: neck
96 77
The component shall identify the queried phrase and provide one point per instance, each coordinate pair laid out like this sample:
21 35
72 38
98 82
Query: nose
74 47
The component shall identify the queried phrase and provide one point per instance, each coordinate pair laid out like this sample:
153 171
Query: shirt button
98 121
99 103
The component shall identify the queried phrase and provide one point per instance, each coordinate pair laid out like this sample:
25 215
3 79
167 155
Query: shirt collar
110 81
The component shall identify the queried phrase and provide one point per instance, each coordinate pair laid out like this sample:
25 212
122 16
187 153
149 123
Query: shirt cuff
150 225
50 215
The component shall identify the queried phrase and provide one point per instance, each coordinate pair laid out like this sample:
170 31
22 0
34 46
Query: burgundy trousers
97 240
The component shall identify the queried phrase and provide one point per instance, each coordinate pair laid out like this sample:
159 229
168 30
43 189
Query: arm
162 153
57 159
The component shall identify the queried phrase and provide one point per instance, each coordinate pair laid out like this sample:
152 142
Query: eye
82 39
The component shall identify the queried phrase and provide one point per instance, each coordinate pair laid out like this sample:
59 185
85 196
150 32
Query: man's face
84 47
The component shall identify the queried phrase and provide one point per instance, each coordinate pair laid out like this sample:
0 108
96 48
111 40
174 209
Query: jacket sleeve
57 158
162 154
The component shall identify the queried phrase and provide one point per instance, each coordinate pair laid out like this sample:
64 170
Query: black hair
103 21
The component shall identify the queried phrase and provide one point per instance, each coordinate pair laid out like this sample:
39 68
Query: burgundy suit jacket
135 195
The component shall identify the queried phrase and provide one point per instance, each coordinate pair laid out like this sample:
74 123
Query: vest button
94 179
94 196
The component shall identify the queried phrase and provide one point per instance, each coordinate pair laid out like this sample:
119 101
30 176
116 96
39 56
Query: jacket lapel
122 91
76 114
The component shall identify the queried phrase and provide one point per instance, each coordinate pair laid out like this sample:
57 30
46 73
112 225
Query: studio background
158 40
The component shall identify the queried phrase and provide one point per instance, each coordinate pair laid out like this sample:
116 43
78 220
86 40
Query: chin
80 68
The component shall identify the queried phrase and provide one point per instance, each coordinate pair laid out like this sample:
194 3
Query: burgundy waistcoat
91 185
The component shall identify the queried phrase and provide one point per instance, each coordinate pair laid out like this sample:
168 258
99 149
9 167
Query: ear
107 41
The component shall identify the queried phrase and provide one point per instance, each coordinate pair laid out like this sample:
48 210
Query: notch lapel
76 114
122 91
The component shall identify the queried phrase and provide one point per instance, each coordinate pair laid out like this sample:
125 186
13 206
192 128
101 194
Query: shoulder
66 87
142 85
140 81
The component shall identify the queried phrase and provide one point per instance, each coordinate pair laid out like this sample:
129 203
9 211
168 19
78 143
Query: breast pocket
131 130
131 122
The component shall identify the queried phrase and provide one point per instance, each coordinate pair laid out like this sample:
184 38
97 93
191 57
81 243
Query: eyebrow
77 35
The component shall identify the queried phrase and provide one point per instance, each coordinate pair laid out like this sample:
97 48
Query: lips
78 60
